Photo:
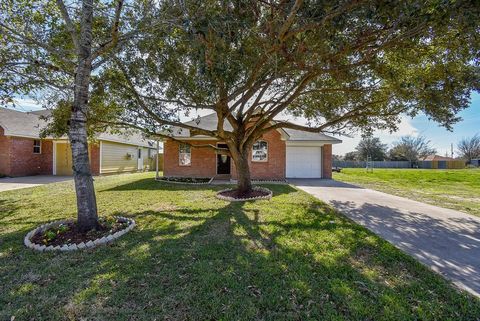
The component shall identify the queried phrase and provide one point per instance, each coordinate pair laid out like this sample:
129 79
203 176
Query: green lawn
194 257
458 189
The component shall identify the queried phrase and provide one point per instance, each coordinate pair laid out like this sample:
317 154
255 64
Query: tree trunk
243 171
86 202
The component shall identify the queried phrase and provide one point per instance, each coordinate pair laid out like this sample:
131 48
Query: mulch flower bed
65 235
69 233
256 193
186 180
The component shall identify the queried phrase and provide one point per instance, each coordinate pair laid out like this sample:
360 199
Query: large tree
411 148
342 65
49 50
469 148
371 148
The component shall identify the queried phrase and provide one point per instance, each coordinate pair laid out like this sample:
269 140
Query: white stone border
73 246
232 199
184 183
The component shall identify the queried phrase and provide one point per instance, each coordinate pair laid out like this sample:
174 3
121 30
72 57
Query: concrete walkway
447 241
7 184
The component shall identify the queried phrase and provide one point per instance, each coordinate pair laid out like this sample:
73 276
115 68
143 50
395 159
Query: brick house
279 154
23 152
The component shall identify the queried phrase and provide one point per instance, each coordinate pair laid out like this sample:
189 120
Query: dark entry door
223 161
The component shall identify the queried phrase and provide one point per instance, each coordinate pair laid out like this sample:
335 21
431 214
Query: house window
37 146
184 155
139 153
260 151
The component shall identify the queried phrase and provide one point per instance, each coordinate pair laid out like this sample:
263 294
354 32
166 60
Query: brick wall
24 162
203 162
4 153
327 161
274 167
94 151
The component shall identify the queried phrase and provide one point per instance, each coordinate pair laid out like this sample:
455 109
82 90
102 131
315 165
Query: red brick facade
204 164
327 161
95 159
18 159
203 160
274 167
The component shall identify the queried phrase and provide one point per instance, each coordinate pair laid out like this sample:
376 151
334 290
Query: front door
63 160
223 161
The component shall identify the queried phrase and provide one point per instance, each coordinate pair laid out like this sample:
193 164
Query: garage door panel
304 162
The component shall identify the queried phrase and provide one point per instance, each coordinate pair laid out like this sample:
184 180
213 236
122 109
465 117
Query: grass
194 257
457 189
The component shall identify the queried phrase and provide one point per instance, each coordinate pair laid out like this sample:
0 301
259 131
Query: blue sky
420 125
440 138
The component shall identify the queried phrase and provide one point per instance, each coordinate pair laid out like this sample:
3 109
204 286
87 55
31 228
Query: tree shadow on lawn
239 261
152 184
450 245
7 208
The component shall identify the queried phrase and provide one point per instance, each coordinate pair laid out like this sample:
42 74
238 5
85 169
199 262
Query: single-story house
23 152
435 157
279 154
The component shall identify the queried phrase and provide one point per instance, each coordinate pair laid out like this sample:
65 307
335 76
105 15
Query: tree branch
105 47
69 24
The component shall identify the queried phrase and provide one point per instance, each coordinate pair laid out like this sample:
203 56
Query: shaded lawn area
458 189
195 257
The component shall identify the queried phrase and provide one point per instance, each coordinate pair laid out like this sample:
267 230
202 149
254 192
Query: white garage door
304 162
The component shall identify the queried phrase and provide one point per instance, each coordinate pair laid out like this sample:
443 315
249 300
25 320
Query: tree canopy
469 148
342 65
49 50
410 148
371 148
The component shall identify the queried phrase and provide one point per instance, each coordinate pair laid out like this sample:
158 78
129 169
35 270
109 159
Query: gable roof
209 122
434 157
29 125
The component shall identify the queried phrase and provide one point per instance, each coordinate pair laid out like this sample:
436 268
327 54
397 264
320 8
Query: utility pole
451 148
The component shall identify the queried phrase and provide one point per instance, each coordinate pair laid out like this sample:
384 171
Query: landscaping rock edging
74 246
232 199
184 183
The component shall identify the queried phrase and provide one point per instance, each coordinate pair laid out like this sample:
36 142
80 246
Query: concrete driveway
7 184
447 241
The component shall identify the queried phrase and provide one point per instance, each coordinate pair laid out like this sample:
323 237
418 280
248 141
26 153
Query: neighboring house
279 154
23 153
434 157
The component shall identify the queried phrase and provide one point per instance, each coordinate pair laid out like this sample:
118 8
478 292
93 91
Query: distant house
434 157
279 154
23 153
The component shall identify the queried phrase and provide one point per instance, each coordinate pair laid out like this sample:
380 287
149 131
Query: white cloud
25 104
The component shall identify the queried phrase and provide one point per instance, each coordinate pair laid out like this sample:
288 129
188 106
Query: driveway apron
446 240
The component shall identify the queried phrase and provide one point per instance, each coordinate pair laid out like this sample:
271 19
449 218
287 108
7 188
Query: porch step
222 176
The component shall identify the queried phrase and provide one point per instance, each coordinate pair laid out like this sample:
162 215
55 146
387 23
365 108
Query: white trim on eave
306 143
